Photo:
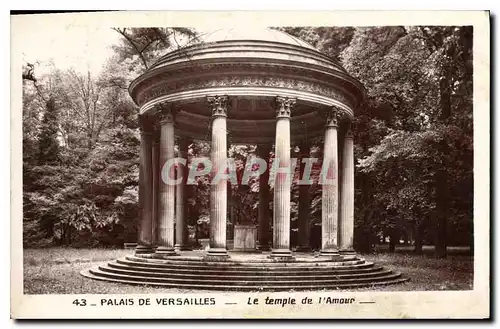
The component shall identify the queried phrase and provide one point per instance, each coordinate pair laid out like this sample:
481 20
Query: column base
263 247
165 252
303 249
183 247
349 251
143 249
216 254
130 245
281 255
331 253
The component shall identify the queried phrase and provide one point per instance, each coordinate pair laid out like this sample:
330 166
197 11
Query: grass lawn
427 273
57 271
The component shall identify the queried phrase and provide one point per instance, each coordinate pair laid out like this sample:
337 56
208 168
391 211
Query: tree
451 49
413 135
329 40
85 112
424 142
148 44
76 124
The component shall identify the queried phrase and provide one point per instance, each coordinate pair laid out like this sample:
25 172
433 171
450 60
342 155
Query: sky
83 48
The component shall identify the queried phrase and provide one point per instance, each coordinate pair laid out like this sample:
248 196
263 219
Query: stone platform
246 272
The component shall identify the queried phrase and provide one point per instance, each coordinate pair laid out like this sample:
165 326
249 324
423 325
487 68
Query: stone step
198 262
95 274
233 277
252 272
291 283
233 266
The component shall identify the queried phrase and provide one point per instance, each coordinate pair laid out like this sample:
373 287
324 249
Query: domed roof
257 34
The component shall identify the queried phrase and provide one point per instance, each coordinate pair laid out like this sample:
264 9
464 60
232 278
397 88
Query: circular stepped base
246 273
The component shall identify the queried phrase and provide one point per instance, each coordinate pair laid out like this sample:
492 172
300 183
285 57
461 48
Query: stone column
232 210
156 180
347 195
329 179
144 243
263 219
181 233
218 192
282 184
304 204
166 204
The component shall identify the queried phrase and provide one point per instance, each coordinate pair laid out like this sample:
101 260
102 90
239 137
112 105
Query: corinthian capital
333 116
218 105
165 113
166 116
146 124
348 132
284 106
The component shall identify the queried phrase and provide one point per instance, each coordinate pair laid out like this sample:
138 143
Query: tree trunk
409 236
196 214
419 236
441 214
441 186
196 234
440 242
393 241
363 243
471 240
64 234
363 240
68 235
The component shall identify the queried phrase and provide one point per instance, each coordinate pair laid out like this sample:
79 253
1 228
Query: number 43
80 302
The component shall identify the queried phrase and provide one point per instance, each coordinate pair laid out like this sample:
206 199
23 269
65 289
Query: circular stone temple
265 88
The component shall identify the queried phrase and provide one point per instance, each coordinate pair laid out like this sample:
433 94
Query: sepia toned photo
189 169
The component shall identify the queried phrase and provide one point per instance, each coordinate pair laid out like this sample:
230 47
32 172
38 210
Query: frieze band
228 69
243 81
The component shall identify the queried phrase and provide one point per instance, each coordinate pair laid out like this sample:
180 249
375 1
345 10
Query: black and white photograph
261 170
